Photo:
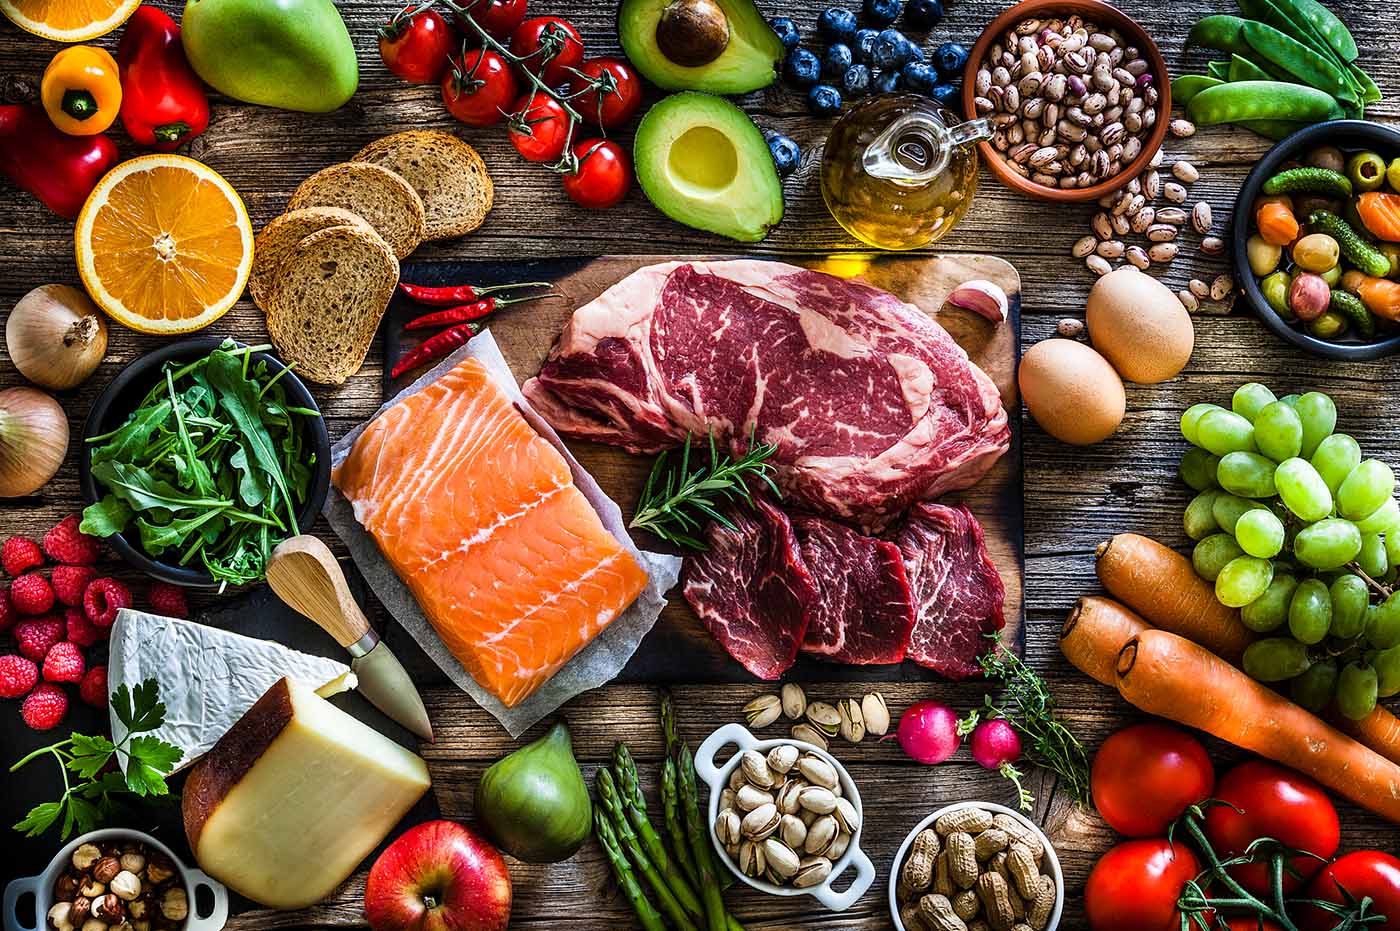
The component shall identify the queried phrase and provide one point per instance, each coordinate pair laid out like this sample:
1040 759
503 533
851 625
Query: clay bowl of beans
1078 96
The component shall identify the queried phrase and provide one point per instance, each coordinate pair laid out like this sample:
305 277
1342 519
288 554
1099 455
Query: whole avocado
533 803
290 54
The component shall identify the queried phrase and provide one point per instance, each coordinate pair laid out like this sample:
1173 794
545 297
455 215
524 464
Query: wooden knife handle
305 574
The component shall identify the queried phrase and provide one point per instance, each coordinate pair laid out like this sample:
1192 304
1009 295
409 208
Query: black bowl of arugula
201 457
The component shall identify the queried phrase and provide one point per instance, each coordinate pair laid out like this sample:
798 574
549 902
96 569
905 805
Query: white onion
33 440
56 336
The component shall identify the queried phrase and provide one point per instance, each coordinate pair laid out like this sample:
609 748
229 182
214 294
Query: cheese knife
305 574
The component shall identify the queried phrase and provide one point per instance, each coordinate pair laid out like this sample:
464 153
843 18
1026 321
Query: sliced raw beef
957 592
752 590
864 608
871 404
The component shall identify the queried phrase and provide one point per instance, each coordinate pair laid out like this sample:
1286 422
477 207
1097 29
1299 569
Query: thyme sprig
679 500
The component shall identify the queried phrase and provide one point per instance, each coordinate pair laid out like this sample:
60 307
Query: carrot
1380 730
1380 295
1277 224
1170 676
1380 213
1159 584
1094 633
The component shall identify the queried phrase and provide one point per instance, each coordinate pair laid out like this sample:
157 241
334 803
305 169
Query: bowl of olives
1316 240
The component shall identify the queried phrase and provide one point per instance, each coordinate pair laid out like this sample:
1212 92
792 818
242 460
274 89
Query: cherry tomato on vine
498 17
478 87
1135 886
539 127
416 43
603 176
617 97
1276 802
1362 873
1145 776
550 46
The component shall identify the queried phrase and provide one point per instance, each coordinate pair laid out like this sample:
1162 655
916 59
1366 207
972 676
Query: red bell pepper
163 102
59 169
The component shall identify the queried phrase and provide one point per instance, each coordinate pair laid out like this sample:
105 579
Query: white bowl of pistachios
785 816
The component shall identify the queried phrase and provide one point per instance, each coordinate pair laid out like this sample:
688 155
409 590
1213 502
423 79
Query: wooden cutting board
679 649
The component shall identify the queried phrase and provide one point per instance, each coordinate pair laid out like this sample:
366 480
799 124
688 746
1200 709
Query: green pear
292 54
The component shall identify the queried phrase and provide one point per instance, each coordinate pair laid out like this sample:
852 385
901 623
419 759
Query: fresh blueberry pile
876 58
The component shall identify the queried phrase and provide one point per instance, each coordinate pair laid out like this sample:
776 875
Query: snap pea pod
1218 70
1350 306
1262 100
1370 93
1221 32
1268 12
1309 180
1325 23
1189 85
1242 69
1295 58
1272 129
1355 250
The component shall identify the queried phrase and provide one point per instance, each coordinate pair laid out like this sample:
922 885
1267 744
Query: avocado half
748 62
704 163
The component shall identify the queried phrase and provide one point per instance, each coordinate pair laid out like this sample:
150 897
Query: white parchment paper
594 665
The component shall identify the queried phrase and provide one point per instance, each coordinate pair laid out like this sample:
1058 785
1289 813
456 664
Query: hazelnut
133 861
108 908
82 908
91 888
61 916
121 926
174 905
140 926
106 868
85 856
126 885
65 888
92 924
136 908
158 870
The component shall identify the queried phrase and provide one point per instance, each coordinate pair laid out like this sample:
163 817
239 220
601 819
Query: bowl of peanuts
1078 96
976 865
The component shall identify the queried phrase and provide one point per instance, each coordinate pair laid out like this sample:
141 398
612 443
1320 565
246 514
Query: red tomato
1273 802
617 96
539 127
1134 887
1145 776
1362 873
479 87
603 176
550 46
498 17
416 43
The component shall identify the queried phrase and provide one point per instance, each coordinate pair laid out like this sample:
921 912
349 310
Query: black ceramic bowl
120 398
1347 135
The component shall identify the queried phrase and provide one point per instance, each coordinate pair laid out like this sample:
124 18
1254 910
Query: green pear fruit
292 54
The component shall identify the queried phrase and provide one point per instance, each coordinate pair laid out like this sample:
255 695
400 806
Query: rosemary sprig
677 501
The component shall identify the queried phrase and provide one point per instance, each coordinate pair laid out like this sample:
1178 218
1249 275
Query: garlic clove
982 298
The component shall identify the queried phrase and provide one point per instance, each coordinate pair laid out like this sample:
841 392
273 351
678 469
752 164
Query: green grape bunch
1301 534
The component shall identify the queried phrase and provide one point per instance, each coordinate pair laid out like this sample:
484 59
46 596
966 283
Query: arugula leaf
157 538
239 398
107 517
127 441
144 491
251 488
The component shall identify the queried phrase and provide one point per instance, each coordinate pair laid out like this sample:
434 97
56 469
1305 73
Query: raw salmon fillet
479 516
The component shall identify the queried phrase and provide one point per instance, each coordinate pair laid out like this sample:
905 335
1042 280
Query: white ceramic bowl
1051 864
717 777
41 886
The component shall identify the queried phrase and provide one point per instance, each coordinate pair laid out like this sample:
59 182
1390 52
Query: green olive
1327 156
1331 276
1392 175
1263 258
1275 288
1316 252
1391 251
1366 170
1328 326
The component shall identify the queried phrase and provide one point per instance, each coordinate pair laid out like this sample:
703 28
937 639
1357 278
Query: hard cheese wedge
294 796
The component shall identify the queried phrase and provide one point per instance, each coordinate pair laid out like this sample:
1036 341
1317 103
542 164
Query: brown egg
1071 391
1139 326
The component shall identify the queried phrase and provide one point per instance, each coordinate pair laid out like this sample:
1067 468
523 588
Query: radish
928 732
996 745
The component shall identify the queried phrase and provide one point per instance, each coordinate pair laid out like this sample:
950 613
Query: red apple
438 876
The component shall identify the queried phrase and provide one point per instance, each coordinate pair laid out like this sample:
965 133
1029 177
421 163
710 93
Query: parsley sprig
678 500
91 791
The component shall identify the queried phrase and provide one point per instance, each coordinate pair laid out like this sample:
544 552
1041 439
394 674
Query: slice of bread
376 193
447 173
327 300
280 238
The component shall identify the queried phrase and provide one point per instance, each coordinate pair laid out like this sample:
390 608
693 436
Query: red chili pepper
163 100
464 312
458 293
59 169
435 347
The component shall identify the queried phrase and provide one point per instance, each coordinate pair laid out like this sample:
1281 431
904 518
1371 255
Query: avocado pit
692 33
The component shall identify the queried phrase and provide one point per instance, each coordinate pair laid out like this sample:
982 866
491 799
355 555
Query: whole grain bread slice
327 300
383 198
279 239
447 173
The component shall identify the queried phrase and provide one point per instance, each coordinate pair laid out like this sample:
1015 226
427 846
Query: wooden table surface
1073 497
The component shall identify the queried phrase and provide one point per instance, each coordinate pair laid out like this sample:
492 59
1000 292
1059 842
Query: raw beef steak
751 588
957 592
864 609
871 404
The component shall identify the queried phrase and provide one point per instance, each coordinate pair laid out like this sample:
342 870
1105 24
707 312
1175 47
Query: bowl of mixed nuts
1078 96
785 816
976 862
116 879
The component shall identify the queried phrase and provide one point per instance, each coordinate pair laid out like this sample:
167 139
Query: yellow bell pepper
82 90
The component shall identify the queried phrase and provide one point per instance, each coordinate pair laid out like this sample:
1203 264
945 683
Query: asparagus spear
670 802
673 747
715 919
626 879
607 795
635 806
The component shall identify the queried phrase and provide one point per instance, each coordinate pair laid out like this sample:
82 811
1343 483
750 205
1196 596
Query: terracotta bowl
1094 11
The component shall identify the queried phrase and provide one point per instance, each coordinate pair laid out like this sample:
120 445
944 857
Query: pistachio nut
847 816
824 717
728 799
818 799
756 771
794 701
752 861
821 835
812 871
838 846
737 780
809 735
792 831
761 822
817 771
807 816
789 796
763 711
782 758
876 714
750 797
783 861
727 827
852 720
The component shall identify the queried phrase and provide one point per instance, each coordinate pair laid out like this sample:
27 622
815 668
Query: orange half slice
68 20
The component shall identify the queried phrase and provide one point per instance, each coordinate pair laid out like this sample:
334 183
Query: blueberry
923 15
886 82
837 59
786 154
837 24
918 77
892 49
824 100
914 52
946 94
882 12
787 31
803 68
856 81
951 58
863 45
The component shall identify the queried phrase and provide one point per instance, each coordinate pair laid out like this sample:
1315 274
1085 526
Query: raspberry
93 689
80 630
103 599
45 707
31 594
64 663
19 555
69 583
7 611
68 545
37 635
17 676
168 600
